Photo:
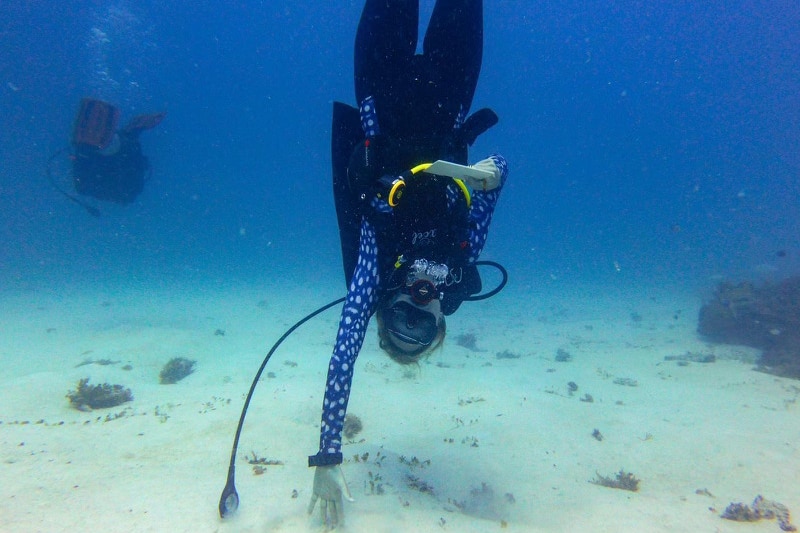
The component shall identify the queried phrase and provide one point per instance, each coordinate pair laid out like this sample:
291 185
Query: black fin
345 135
455 147
478 122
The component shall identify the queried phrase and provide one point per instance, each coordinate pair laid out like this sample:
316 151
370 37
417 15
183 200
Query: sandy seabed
493 434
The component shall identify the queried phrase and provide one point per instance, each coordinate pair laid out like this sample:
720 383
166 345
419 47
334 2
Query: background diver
107 163
409 239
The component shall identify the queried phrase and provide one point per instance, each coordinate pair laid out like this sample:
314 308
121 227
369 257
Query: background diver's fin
144 122
346 133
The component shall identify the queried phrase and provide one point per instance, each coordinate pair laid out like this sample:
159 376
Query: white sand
469 417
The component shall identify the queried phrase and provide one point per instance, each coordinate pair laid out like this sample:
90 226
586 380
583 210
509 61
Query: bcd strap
391 188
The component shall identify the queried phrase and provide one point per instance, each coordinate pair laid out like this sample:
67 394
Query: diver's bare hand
329 484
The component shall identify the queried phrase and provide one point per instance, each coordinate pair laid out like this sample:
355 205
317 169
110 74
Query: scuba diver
107 163
410 232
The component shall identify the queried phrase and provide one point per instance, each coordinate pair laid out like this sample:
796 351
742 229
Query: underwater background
649 143
654 151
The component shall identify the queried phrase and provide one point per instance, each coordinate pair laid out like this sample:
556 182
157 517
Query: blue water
648 142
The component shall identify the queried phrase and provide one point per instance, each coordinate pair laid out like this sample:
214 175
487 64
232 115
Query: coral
254 459
468 341
740 512
175 370
88 397
260 463
563 356
414 462
507 354
765 317
415 483
352 426
761 509
622 480
472 399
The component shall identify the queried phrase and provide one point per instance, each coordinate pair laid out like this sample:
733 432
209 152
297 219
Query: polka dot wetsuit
362 298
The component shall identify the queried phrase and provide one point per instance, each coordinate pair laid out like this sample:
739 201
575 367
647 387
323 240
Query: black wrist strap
325 459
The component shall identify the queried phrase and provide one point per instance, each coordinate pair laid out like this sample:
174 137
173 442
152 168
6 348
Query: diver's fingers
340 509
323 511
334 515
312 503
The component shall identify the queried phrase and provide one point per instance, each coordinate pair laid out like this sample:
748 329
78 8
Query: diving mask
412 329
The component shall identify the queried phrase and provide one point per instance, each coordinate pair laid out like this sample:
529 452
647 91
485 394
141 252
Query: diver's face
413 327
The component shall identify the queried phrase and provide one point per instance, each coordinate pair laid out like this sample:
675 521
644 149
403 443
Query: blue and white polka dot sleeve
480 214
358 307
